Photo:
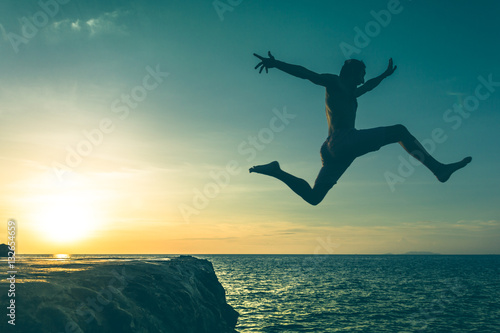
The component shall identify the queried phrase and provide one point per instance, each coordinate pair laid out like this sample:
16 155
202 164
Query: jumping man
344 142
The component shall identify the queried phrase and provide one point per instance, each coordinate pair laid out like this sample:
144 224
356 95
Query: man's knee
318 194
401 129
400 132
314 201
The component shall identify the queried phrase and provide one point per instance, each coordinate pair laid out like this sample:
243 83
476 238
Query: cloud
109 23
472 236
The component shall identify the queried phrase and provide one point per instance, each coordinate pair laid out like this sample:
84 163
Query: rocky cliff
179 295
4 249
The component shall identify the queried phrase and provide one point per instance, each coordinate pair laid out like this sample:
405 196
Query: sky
129 127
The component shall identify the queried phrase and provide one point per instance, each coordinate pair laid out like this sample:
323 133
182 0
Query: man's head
354 71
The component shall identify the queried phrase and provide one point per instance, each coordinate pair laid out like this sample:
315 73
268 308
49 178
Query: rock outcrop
4 250
181 295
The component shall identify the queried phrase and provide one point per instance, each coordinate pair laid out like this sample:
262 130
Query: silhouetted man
344 142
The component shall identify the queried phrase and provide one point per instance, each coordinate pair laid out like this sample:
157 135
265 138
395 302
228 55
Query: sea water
362 293
337 293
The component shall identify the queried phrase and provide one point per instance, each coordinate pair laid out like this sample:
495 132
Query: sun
67 219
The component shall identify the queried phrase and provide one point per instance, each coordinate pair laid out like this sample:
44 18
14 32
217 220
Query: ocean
362 293
339 293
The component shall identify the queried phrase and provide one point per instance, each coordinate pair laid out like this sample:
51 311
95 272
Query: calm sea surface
342 293
363 293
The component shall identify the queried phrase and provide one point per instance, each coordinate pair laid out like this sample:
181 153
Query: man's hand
390 69
372 83
265 62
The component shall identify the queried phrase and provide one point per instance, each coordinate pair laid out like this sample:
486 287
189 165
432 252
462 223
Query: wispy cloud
109 23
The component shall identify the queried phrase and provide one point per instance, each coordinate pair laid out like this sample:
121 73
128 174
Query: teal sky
77 71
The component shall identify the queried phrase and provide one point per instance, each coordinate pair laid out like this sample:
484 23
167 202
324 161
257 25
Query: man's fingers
261 64
267 72
258 56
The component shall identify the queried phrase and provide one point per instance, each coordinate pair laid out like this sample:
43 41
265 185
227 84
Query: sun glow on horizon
61 256
67 219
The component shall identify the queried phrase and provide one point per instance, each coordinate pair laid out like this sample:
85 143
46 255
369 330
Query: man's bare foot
448 169
270 169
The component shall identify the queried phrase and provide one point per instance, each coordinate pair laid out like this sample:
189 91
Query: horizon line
420 253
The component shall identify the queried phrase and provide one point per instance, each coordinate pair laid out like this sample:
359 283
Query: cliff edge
181 295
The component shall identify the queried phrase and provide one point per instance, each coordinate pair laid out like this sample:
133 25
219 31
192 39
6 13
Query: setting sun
67 219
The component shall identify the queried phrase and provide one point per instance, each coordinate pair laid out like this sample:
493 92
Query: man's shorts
342 147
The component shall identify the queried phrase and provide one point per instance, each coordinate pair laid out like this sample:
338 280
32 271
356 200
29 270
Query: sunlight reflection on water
62 256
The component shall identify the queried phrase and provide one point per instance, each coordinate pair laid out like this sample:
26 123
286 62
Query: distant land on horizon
412 253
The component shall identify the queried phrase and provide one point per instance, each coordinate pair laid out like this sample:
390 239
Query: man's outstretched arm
372 83
295 70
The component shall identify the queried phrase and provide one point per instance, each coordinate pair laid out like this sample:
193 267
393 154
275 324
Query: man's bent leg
302 188
399 133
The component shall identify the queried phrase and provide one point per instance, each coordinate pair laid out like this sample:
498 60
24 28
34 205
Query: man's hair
351 66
